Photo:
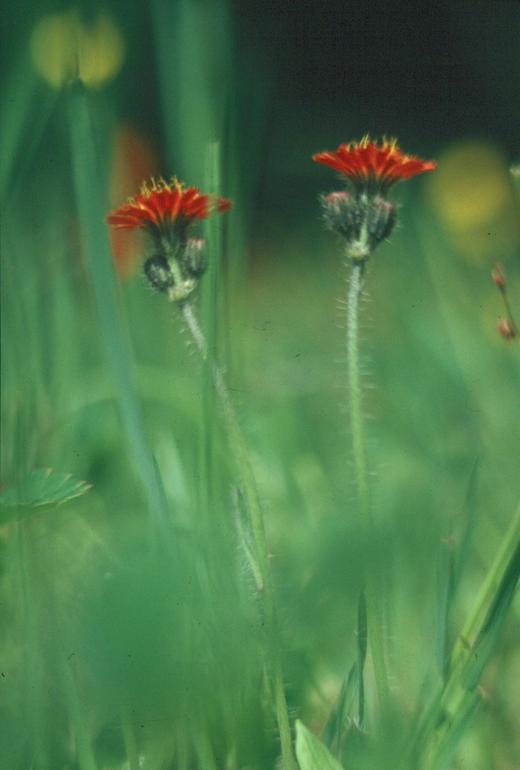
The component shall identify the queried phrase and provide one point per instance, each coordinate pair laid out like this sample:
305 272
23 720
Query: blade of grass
192 40
362 644
470 506
311 753
446 590
450 569
90 194
31 106
353 684
336 725
471 653
504 568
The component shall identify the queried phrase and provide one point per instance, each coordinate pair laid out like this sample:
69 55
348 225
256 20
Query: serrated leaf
311 753
43 487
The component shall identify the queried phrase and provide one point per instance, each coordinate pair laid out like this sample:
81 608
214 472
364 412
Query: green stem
355 395
359 453
248 482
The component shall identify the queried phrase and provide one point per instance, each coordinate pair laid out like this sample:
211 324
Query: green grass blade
26 112
192 41
362 644
472 651
90 193
311 753
466 538
446 590
338 720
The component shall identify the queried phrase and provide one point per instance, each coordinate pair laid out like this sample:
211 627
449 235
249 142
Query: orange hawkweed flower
133 159
166 209
372 166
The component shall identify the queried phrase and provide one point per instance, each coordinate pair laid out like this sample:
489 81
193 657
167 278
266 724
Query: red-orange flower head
362 215
373 167
166 209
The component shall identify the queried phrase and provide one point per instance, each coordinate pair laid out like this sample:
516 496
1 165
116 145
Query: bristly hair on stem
361 473
264 577
363 216
167 213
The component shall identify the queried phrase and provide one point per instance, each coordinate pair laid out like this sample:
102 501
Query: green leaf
43 487
311 753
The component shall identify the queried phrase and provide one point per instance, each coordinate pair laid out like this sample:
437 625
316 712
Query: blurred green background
130 629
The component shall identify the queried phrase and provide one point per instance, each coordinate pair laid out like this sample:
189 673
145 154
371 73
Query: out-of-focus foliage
131 631
64 45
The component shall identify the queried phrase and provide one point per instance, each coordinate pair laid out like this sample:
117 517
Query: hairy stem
248 484
355 394
359 453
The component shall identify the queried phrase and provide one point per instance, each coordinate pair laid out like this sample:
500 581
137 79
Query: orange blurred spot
133 159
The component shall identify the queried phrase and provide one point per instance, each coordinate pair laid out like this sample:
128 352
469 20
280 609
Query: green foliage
132 629
43 487
311 753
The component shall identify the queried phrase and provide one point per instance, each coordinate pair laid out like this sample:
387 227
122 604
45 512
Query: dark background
428 71
432 71
296 78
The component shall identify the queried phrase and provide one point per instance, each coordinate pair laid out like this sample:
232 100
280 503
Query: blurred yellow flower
473 194
64 46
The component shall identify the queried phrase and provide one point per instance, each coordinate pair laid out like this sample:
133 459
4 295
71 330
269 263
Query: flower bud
507 329
343 213
498 277
193 257
158 272
381 218
366 220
